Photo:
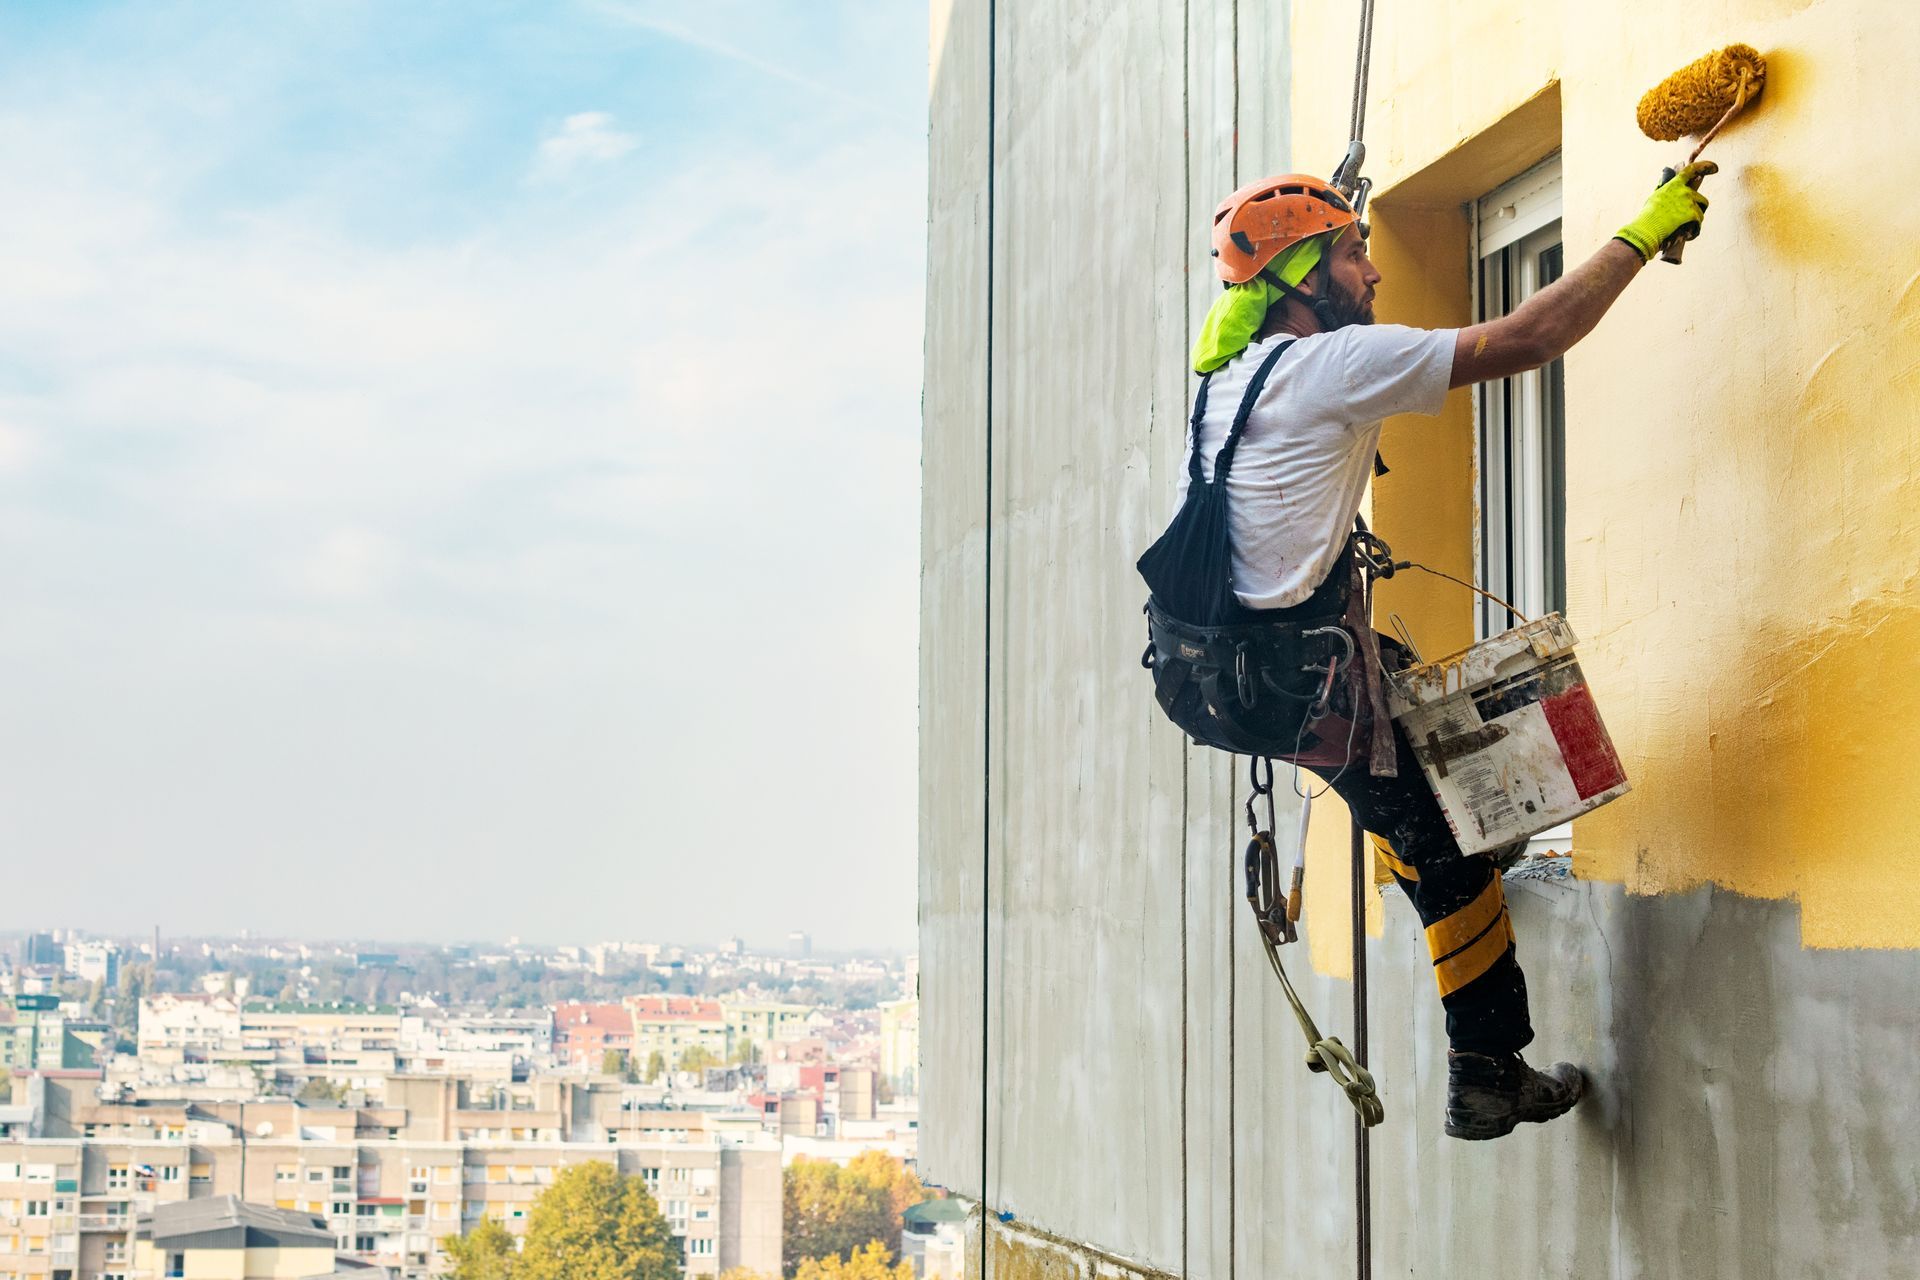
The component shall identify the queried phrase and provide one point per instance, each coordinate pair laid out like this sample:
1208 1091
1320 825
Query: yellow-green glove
1674 206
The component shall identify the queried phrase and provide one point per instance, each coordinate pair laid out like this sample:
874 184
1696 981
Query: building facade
1716 489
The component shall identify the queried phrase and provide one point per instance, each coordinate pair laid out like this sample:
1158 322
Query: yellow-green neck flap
1240 311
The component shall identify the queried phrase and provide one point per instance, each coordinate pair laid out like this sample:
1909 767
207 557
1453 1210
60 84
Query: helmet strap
1320 304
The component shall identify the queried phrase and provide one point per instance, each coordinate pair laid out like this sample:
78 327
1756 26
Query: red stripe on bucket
1584 744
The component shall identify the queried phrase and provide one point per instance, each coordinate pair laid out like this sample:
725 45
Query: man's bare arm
1541 329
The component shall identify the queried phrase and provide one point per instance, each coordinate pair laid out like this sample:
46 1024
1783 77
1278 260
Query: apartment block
583 1033
390 1183
224 1238
900 1045
763 1022
671 1025
297 1039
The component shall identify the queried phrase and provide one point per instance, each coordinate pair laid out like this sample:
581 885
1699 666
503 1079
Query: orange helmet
1255 224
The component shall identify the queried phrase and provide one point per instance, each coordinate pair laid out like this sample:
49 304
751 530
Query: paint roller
1700 98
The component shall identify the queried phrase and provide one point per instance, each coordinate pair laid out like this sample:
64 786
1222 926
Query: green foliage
656 1066
832 1212
596 1223
485 1253
613 1063
697 1057
871 1262
320 1092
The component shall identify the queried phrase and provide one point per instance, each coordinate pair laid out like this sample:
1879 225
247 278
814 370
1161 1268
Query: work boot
1488 1095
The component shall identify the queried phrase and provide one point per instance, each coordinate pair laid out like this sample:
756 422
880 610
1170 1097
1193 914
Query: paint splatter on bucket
1508 735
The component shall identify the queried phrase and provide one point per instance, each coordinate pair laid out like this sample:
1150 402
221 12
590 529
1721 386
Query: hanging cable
1362 63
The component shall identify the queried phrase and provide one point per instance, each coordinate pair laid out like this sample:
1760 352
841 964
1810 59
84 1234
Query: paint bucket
1508 735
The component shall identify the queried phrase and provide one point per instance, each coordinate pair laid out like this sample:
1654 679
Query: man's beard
1342 308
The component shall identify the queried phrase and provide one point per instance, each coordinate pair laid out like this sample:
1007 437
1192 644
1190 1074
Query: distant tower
800 944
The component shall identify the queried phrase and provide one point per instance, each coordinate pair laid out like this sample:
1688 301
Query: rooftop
228 1222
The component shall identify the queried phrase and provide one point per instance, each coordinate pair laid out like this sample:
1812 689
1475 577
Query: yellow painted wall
1743 431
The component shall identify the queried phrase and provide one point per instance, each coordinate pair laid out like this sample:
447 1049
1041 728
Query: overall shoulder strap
1223 461
1193 429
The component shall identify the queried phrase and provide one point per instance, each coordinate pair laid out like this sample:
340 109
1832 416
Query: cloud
585 138
17 447
348 563
638 16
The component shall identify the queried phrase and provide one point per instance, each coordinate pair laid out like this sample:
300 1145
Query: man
1297 380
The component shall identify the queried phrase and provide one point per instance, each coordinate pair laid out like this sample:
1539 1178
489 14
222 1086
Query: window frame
1520 422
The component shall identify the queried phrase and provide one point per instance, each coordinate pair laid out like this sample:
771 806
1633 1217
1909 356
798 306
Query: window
36 1208
169 1173
1522 419
341 1209
342 1172
116 1177
699 1247
316 1175
285 1173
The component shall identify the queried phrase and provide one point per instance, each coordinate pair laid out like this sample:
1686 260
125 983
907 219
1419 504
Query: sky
459 468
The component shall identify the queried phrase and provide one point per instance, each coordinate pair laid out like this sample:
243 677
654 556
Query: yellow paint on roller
1693 99
1743 434
1480 347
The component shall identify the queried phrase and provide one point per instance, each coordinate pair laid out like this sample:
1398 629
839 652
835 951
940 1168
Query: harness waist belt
1275 642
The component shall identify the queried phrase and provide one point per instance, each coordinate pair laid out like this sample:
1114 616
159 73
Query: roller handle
1677 242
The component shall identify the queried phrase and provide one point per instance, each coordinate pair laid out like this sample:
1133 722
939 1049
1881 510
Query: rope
1326 1053
1362 63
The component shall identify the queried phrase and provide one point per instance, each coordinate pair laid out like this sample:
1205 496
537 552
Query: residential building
671 1025
205 1028
389 1184
93 962
1717 489
225 1238
933 1237
762 1022
584 1033
900 1045
44 1037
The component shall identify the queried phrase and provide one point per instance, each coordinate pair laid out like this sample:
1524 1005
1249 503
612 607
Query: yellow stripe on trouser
1449 934
1457 970
1404 870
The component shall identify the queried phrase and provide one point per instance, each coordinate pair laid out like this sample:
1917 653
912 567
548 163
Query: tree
596 1223
485 1253
320 1092
613 1063
901 1186
656 1066
871 1262
830 1212
697 1057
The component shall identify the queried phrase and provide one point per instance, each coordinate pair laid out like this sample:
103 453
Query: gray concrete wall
1107 1062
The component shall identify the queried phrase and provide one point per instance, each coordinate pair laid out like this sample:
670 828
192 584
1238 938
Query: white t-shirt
1303 465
